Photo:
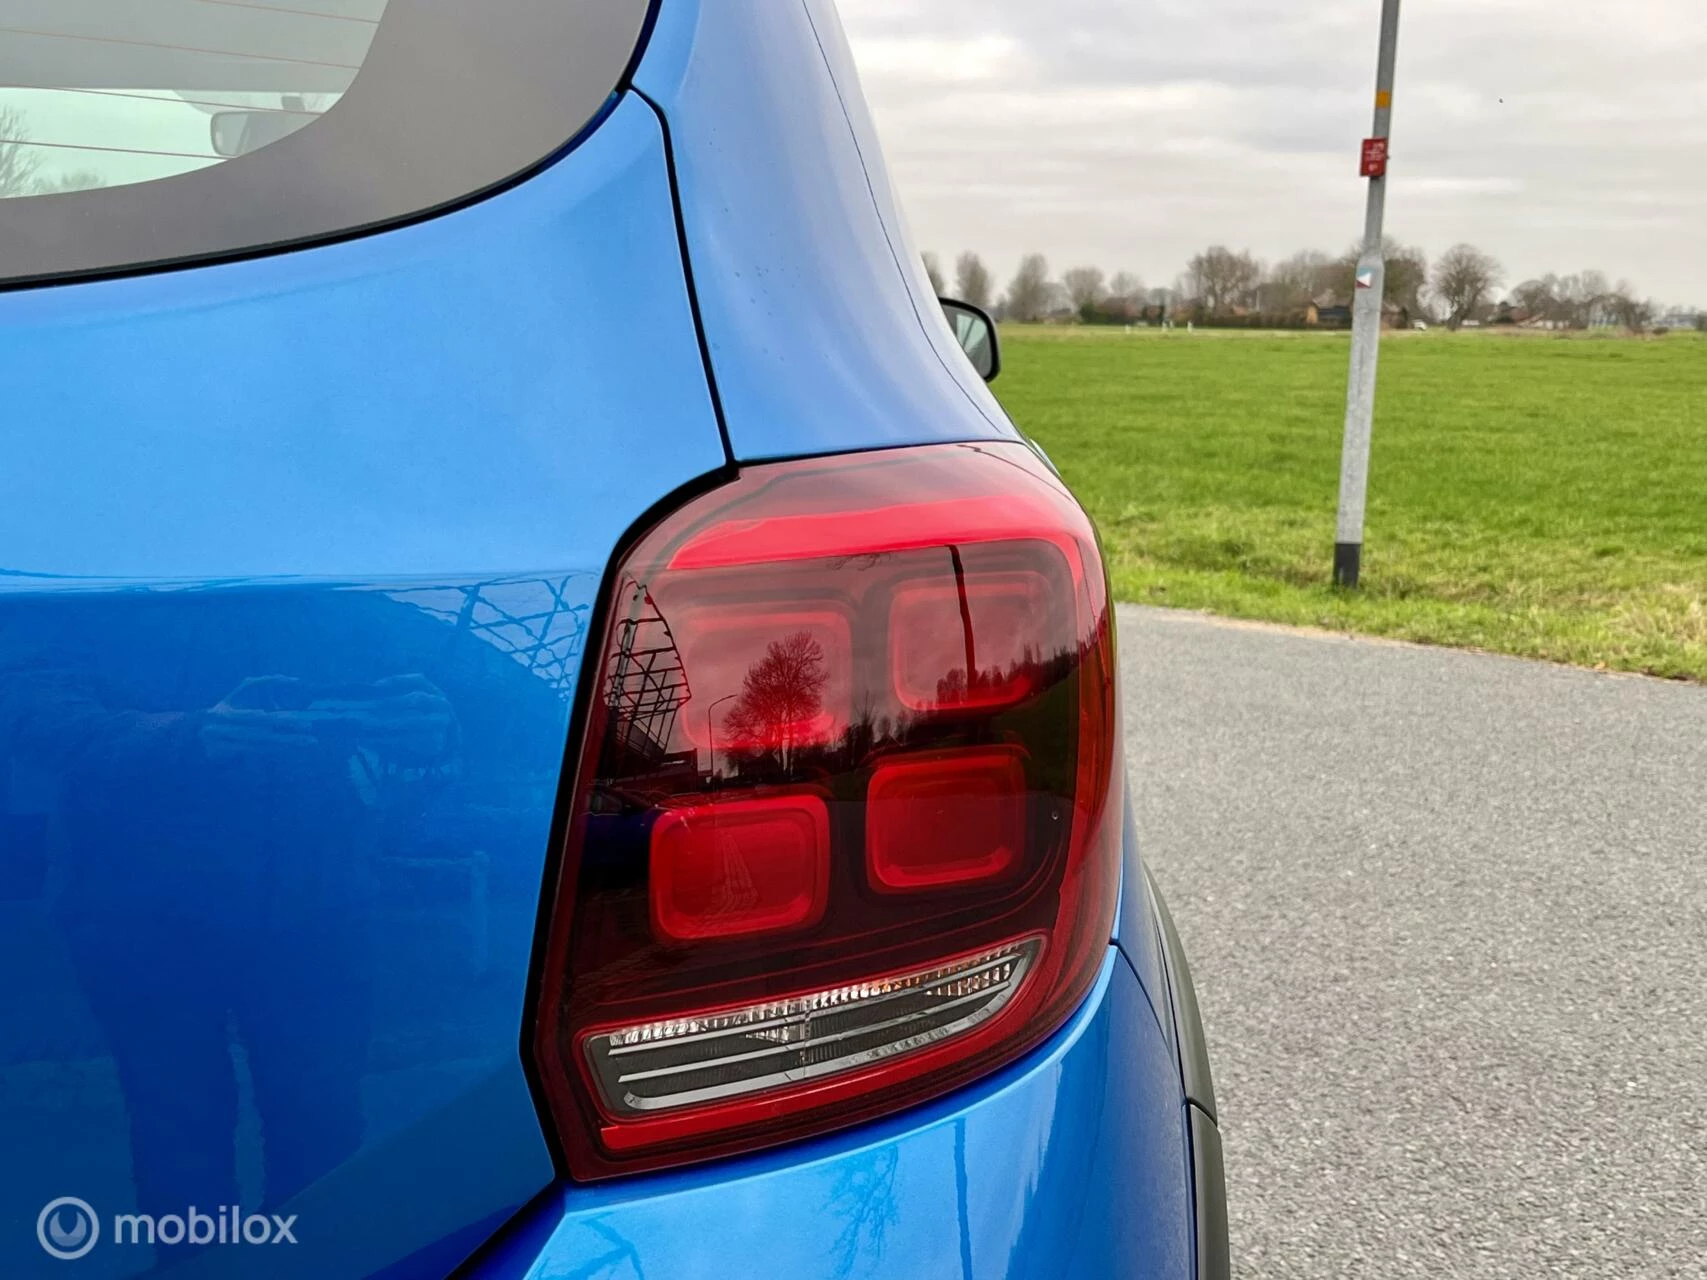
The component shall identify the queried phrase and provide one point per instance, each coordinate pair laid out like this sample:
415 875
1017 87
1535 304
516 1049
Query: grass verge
1537 495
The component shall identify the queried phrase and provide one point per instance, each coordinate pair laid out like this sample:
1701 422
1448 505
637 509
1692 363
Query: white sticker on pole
1365 277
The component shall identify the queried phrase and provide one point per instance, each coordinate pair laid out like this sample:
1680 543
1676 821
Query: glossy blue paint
462 394
822 331
1070 1163
299 555
1136 930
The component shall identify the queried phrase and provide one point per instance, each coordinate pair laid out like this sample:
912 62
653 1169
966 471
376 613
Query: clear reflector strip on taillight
693 1060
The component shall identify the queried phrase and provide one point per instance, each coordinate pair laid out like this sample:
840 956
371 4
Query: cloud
1557 134
935 61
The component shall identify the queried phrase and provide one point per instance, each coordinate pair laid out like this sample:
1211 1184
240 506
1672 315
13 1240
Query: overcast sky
1556 134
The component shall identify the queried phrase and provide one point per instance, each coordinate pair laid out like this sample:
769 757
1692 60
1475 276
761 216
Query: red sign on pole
1375 157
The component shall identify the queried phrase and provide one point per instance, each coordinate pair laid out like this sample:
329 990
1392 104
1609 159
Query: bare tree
1085 288
1291 284
972 280
1294 281
1028 294
933 269
781 695
1623 307
1463 279
1582 300
20 163
1578 295
1127 287
1540 299
18 160
1125 300
1219 278
1589 298
1577 301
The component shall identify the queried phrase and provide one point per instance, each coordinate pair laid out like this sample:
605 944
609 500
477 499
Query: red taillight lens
945 818
736 867
846 819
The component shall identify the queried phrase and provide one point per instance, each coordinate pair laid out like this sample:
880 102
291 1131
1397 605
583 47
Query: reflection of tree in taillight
782 698
875 852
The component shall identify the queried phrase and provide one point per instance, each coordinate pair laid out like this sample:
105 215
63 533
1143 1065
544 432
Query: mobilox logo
69 1227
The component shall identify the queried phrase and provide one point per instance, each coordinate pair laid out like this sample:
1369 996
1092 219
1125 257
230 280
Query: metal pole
711 733
1369 291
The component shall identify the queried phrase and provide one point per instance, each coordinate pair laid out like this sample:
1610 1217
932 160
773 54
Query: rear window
147 132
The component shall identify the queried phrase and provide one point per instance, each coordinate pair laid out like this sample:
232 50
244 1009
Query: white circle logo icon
68 1228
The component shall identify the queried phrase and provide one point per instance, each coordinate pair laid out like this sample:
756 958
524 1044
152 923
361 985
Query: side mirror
976 333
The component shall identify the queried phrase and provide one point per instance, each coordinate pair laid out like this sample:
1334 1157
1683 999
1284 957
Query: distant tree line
1226 288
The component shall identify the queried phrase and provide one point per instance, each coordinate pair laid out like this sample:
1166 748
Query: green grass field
1537 495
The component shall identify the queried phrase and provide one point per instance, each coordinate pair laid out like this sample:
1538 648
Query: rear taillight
845 829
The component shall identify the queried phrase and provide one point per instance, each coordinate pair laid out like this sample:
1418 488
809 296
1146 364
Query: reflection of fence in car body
540 622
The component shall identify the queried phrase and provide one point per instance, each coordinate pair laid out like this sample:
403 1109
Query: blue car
550 726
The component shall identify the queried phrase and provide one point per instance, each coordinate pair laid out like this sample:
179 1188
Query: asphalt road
1447 915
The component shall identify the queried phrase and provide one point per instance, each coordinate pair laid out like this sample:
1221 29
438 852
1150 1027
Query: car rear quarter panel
240 969
822 330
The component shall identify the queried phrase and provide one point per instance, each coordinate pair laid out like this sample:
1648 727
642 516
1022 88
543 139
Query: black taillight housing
846 817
